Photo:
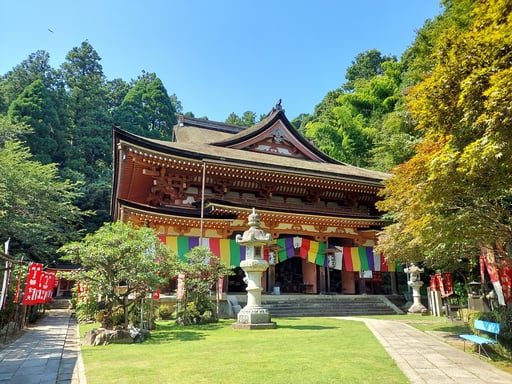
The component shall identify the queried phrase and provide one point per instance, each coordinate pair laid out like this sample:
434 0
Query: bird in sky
49 30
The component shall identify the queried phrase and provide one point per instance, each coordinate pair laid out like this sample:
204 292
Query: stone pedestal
417 306
415 283
253 315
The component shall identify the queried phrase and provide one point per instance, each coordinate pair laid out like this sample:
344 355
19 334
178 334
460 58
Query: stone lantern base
254 317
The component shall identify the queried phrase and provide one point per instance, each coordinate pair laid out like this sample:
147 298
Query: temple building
200 188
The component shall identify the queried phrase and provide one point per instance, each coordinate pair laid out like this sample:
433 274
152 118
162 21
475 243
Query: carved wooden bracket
314 195
266 190
166 188
222 186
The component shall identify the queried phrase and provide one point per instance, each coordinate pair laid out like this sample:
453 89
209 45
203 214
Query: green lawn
299 350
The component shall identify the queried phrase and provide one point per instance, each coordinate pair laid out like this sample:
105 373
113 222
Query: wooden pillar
322 285
271 277
394 283
362 285
348 282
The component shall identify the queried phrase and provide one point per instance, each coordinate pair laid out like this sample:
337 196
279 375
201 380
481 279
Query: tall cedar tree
147 109
36 108
90 131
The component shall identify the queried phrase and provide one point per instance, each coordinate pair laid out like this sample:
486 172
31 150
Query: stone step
60 304
325 305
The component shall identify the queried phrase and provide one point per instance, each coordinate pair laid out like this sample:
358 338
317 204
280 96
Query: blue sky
218 56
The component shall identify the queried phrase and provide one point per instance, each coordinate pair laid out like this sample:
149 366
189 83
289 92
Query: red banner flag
51 286
220 286
440 284
505 273
433 285
181 286
449 283
32 284
492 270
44 287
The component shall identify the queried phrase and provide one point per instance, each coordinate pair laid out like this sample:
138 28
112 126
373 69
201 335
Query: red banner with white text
32 284
39 285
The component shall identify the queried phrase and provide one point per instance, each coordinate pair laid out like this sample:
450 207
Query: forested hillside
58 121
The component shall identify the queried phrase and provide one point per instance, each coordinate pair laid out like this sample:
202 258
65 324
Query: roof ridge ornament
276 108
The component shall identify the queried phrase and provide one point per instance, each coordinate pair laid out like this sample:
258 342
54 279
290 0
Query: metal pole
202 203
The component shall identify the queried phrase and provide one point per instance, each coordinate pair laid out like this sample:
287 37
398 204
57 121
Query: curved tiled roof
205 140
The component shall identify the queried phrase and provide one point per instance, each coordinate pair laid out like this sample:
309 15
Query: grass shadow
302 326
168 332
306 327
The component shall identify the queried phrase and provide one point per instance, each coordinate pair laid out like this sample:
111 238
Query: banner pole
7 274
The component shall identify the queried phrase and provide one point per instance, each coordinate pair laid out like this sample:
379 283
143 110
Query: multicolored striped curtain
356 259
351 259
309 250
229 251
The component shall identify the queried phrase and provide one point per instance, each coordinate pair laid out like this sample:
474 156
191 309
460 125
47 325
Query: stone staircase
326 305
58 303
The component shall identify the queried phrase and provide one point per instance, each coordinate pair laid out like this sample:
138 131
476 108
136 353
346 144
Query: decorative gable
275 140
276 136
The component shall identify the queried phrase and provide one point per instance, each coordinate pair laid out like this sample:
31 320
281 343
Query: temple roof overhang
269 166
294 217
193 155
217 215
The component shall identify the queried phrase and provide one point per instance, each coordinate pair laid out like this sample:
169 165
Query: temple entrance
236 281
334 281
289 276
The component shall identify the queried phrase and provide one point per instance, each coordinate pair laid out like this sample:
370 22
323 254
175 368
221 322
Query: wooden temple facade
200 188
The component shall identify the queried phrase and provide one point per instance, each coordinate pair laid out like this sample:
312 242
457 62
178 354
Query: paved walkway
426 359
47 353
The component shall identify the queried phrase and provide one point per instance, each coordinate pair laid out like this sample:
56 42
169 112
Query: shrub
193 314
86 312
163 312
118 317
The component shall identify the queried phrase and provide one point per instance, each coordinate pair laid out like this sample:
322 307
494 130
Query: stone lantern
253 315
415 283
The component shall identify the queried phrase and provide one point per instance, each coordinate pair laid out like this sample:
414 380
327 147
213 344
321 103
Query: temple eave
224 215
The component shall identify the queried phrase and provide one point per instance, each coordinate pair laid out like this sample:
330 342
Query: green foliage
88 121
454 194
164 312
118 317
35 67
117 90
35 107
202 270
64 116
12 132
87 312
147 109
367 65
375 128
300 122
36 207
121 263
345 124
248 119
